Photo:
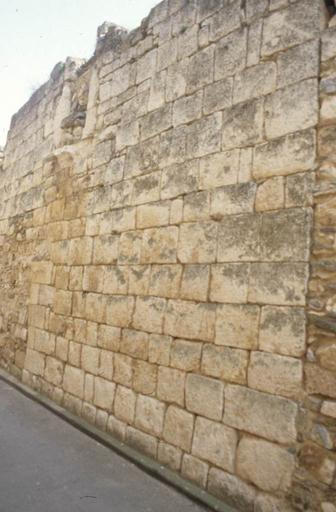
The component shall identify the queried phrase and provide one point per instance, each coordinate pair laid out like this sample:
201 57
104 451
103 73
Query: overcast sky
36 34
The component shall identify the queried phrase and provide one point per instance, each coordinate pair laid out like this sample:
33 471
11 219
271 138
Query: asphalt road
46 465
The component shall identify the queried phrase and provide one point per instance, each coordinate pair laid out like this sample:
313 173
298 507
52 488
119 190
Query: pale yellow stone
178 427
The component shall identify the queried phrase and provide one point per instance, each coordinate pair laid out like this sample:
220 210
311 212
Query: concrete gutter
148 465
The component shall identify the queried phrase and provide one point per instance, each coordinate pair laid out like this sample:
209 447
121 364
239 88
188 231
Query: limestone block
232 489
134 343
138 279
205 396
254 42
147 188
106 365
278 283
149 313
146 66
287 155
256 9
283 330
117 83
75 350
226 20
104 392
275 374
298 63
43 341
115 279
41 272
178 428
157 91
176 80
265 464
195 470
232 199
255 81
118 221
176 211
200 69
270 194
165 280
179 179
73 381
171 384
153 214
62 346
90 359
109 337
195 282
187 42
287 27
197 242
116 428
320 381
149 415
80 251
230 54
130 248
328 109
229 283
37 316
243 124
156 122
159 349
142 158
218 96
264 415
185 355
34 362
204 136
91 333
95 307
190 320
167 54
196 206
187 109
119 310
219 169
237 326
215 443
291 109
329 408
328 45
123 369
124 404
225 363
285 235
326 355
159 245
121 194
93 278
46 295
105 249
144 377
169 456
267 503
145 443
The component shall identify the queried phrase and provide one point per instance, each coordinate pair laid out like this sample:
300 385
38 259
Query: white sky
36 34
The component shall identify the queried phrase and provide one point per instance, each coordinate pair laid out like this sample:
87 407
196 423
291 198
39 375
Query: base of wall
145 463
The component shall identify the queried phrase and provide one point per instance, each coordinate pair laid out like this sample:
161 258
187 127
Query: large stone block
267 416
171 384
267 465
243 124
149 314
225 363
232 199
159 245
134 343
149 415
185 355
283 330
165 280
179 179
178 427
104 391
218 96
123 369
237 325
278 375
119 310
195 282
187 109
254 82
204 136
144 377
230 54
145 443
200 69
205 396
232 490
156 122
320 381
197 242
298 63
154 214
73 381
219 169
215 443
190 320
159 349
229 283
195 470
238 238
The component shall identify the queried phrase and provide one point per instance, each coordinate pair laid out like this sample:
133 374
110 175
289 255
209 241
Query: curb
148 465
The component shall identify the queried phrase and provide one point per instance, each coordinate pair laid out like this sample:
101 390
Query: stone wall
167 256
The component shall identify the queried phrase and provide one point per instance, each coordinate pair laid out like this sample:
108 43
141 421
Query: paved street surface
46 465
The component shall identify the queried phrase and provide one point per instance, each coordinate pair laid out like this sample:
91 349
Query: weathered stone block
144 377
243 124
138 282
237 326
115 279
195 282
228 364
278 375
298 63
200 69
151 215
195 470
149 415
265 464
90 359
218 96
219 169
185 355
187 109
283 330
190 320
156 122
34 362
146 66
159 349
178 427
165 280
229 283
232 199
232 489
130 247
204 136
215 443
287 155
171 384
320 381
169 456
143 442
196 206
149 313
205 396
197 242
179 179
119 310
159 245
104 391
123 369
230 54
291 109
73 381
264 415
278 283
134 343
254 82
270 195
109 337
